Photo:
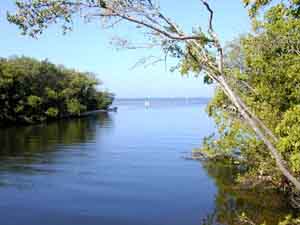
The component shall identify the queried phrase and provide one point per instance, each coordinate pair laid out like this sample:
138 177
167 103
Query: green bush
33 91
52 112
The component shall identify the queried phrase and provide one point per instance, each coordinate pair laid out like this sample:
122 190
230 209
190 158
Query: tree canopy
35 91
263 68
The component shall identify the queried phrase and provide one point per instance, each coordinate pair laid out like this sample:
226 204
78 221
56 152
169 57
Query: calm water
120 168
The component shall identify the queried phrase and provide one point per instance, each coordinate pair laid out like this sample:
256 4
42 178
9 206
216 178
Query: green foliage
256 5
74 107
34 101
289 220
34 91
263 68
51 94
52 112
41 14
289 131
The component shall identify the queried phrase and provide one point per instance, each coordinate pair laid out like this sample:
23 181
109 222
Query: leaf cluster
35 91
263 68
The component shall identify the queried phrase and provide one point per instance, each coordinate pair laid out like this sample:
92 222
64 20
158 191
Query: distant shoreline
165 98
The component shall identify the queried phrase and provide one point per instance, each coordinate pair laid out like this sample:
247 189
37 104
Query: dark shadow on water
259 205
23 148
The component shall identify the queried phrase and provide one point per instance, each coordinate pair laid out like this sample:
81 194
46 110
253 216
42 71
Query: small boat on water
147 104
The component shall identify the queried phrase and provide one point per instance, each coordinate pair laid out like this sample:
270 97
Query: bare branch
214 36
147 61
152 27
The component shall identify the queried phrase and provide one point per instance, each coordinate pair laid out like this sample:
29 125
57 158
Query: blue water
124 168
116 168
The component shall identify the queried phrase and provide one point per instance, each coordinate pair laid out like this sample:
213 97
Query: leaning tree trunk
152 18
255 124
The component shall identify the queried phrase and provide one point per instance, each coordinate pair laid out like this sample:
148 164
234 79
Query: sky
88 48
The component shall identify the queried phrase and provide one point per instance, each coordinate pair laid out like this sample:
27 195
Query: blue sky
88 48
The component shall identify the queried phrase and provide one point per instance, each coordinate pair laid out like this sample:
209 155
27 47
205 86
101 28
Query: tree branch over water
34 16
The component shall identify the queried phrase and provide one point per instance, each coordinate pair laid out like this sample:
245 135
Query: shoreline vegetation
244 199
256 105
33 91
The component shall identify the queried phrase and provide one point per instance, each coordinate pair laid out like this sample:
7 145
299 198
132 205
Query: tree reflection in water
260 205
23 146
33 149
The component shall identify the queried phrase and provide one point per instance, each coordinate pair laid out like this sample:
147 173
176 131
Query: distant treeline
33 91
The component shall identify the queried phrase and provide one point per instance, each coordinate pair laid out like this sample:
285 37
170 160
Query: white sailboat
147 103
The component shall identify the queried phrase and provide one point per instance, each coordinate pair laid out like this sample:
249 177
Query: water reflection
23 146
260 205
123 168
